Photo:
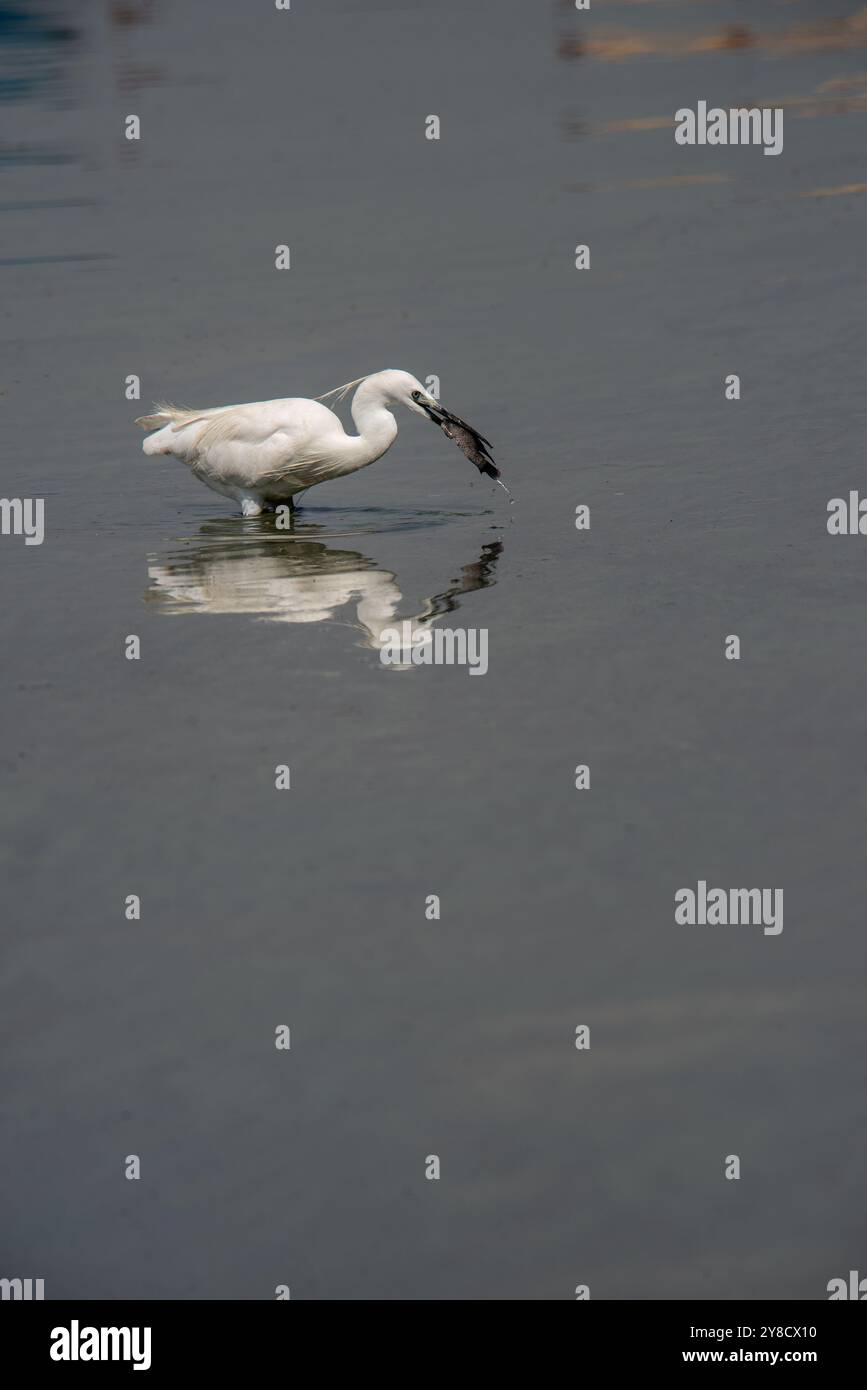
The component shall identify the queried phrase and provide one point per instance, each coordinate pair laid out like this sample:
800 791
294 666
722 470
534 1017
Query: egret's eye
416 395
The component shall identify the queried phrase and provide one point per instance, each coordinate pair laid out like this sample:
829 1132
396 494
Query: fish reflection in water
234 570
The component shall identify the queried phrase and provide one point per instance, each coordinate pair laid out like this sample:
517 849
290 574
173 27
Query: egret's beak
434 411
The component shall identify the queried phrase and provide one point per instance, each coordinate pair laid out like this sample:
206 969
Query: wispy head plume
339 392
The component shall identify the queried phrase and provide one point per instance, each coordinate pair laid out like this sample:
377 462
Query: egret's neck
377 427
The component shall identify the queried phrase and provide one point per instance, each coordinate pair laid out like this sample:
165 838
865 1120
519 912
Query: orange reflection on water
610 44
839 96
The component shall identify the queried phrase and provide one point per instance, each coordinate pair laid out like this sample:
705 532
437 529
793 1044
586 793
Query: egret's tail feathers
152 422
175 415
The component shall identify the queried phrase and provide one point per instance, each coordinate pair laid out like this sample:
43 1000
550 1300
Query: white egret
267 452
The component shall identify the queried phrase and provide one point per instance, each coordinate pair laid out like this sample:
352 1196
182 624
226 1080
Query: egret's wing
267 446
239 424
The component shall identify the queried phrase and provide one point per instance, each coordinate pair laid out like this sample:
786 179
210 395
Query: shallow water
156 777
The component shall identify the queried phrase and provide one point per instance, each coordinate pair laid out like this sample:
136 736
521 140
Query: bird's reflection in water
252 567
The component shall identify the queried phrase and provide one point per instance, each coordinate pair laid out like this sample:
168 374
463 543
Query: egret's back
188 434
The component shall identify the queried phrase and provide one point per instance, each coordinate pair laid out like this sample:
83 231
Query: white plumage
267 452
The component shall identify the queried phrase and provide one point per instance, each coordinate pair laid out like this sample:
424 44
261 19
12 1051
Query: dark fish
469 441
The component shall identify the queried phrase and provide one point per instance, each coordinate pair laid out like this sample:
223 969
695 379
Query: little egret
267 452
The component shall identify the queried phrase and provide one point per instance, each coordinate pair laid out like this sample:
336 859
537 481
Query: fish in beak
468 440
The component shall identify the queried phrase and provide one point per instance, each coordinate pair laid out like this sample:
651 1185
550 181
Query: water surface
412 1037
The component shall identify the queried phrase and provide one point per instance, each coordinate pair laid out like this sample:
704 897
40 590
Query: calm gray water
413 1037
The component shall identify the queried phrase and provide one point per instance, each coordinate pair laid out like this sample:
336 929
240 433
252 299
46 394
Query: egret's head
404 389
